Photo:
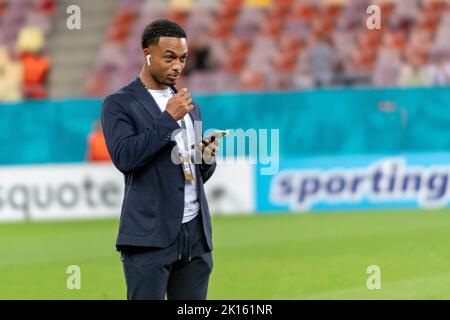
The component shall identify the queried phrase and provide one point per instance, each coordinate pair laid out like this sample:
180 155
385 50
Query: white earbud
149 62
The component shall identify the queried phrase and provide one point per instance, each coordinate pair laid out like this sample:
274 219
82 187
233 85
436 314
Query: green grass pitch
270 256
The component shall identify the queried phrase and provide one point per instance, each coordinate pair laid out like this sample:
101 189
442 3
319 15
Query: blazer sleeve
207 170
129 150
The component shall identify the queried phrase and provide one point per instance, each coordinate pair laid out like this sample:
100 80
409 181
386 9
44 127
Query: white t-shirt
191 204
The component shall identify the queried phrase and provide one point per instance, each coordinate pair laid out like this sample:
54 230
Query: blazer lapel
149 104
144 97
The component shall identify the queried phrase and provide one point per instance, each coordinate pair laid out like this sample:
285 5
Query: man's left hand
209 150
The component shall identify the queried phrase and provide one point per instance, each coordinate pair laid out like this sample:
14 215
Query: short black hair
161 28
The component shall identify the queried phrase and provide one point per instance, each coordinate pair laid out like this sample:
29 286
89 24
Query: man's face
168 59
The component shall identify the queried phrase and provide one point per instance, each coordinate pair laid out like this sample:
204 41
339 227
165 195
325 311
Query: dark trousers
181 270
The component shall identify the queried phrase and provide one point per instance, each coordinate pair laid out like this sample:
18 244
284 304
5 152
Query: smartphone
215 135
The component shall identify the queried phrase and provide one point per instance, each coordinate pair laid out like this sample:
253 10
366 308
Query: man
322 59
165 228
97 150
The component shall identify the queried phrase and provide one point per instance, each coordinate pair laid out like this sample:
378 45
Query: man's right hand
180 104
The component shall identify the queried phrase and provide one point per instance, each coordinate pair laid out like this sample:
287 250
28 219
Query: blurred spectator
322 60
30 39
35 75
35 65
439 71
10 77
97 150
413 72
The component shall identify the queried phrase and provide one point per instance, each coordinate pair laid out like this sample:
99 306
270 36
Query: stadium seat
249 22
275 33
205 5
252 80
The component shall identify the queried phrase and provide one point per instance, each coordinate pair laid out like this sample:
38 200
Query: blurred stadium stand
24 26
235 45
283 44
72 51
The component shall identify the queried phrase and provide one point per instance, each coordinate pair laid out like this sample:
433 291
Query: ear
147 56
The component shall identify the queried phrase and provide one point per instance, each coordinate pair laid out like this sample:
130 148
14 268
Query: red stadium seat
246 36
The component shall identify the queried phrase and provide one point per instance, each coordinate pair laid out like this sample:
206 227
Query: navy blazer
138 138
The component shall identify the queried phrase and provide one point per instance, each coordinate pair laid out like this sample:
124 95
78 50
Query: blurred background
361 155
